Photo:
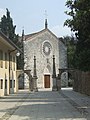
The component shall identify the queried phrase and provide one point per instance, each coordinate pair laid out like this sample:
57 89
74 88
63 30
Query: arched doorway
64 79
21 81
29 80
22 76
67 70
26 81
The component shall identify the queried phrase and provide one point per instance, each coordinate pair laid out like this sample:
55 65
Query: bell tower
46 23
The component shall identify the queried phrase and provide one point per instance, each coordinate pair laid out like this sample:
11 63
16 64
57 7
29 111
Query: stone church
44 55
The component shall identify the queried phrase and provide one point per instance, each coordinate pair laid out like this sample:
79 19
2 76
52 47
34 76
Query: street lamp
18 54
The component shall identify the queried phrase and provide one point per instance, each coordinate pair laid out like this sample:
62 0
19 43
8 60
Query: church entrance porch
46 81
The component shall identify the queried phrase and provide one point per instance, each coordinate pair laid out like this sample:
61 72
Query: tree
7 27
80 25
71 47
20 59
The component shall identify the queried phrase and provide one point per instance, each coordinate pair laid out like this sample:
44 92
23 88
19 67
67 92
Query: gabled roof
9 41
38 33
30 36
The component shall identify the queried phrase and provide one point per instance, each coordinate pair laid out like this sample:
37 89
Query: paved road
42 105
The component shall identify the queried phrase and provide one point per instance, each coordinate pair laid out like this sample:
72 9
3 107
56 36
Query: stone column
54 75
35 76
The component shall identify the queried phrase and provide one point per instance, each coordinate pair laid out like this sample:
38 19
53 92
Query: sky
30 15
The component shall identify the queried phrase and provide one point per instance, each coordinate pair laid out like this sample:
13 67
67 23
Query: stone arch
26 81
20 78
68 70
47 69
64 79
30 81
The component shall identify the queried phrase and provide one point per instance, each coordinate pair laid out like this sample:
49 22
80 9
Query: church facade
43 45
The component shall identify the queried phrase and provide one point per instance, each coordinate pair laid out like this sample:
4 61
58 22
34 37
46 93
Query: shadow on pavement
41 105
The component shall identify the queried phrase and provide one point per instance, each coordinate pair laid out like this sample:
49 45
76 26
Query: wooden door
47 81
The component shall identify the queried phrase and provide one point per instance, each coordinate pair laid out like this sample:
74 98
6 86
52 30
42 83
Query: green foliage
71 47
80 24
7 27
20 59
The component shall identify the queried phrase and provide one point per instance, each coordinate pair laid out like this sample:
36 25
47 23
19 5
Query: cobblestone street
45 105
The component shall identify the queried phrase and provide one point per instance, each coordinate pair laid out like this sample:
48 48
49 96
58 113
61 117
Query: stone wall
81 82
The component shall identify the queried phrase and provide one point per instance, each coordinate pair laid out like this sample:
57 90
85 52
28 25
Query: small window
10 83
1 58
14 83
5 83
14 63
5 60
1 83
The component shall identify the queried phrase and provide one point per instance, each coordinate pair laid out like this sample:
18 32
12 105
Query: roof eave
10 42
